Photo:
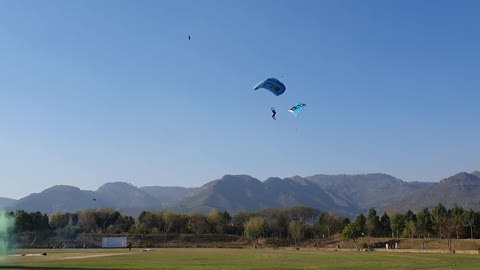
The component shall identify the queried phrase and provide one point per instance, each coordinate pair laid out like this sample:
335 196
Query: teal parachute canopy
297 108
273 85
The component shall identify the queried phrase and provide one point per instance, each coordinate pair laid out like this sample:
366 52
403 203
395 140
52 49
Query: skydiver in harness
274 113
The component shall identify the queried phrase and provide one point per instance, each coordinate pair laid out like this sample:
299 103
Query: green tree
327 224
457 213
397 224
198 224
40 226
410 216
216 219
296 230
361 221
23 221
87 220
373 224
181 223
468 219
424 223
226 216
386 230
281 225
352 232
241 218
438 215
59 220
169 219
410 230
105 218
254 228
147 221
307 215
342 223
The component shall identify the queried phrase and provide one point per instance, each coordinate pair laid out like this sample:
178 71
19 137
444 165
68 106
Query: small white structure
114 242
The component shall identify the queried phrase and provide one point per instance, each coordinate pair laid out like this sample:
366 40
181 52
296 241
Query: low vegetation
289 226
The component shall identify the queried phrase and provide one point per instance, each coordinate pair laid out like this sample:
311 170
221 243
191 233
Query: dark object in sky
274 113
273 85
94 199
189 38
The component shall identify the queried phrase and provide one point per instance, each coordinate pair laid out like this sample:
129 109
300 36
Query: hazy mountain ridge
168 194
5 202
57 198
343 194
462 189
117 195
366 190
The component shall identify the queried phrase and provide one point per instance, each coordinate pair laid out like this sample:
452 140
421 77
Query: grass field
198 258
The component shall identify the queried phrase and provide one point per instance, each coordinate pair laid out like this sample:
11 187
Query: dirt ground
420 244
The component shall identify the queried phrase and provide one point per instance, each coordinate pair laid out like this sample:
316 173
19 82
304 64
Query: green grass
237 259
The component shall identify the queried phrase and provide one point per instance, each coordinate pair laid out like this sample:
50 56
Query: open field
199 258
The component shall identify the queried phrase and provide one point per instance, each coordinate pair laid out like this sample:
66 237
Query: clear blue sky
100 91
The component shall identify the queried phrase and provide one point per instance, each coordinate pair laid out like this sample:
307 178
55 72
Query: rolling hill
462 189
343 194
5 202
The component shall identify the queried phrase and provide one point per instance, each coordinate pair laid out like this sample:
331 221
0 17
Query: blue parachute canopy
297 108
273 85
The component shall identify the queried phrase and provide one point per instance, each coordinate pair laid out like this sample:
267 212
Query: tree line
296 223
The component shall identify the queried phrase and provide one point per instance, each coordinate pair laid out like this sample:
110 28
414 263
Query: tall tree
23 221
296 230
385 225
352 232
105 217
40 226
198 224
397 224
438 214
217 221
361 221
147 221
169 219
87 220
307 215
410 230
373 223
424 223
59 220
342 223
254 228
457 213
327 224
468 219
410 216
447 227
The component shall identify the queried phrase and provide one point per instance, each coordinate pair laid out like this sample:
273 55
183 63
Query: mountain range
5 202
462 189
347 195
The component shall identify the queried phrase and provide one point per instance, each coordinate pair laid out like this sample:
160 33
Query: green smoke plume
7 224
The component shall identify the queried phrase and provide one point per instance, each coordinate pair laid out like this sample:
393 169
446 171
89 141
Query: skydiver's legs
274 113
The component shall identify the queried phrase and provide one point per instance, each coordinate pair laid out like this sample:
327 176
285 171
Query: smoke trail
7 224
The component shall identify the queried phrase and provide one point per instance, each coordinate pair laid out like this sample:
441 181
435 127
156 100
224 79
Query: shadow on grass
49 268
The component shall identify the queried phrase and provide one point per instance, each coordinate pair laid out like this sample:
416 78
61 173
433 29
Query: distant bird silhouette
189 38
